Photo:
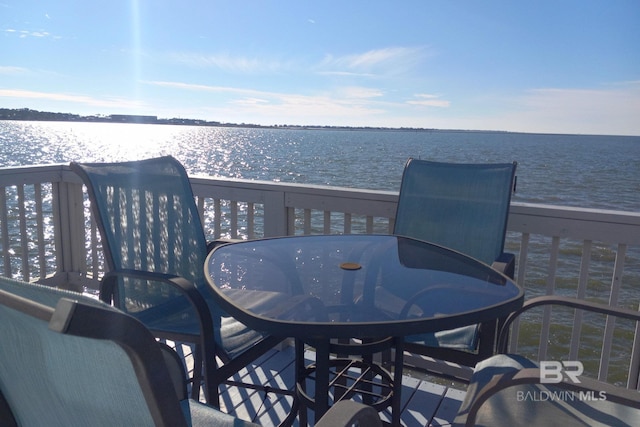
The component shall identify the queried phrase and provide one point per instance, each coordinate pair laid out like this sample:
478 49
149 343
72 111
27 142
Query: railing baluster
522 263
327 222
551 279
4 225
610 324
233 226
581 292
291 221
200 206
307 221
251 233
347 223
42 259
217 218
95 265
633 380
24 238
523 257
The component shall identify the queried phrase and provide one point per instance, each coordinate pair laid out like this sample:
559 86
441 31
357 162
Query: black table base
339 378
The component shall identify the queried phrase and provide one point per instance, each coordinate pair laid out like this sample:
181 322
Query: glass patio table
354 295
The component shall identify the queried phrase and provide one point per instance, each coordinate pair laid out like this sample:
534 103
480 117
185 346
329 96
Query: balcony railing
47 234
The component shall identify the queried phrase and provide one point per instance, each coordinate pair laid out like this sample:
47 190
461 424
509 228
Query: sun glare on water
120 142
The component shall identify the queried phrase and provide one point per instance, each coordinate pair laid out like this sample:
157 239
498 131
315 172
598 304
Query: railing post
275 214
69 234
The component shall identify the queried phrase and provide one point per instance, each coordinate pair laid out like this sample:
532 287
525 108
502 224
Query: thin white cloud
612 109
274 107
251 101
28 33
385 60
391 60
371 58
351 93
63 97
9 70
305 110
360 93
428 100
207 88
227 62
584 100
345 74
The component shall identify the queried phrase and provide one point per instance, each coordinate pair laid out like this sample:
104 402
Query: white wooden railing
47 234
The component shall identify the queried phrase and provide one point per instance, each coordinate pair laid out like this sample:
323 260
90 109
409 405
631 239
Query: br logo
552 372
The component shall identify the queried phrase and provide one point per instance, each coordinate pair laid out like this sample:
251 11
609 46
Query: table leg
397 381
367 358
300 382
322 379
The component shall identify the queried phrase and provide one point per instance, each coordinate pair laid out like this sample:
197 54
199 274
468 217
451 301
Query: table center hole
350 266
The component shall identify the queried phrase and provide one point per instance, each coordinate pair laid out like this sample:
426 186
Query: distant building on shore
131 118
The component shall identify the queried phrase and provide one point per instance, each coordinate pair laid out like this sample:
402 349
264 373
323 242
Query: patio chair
508 389
69 360
463 207
155 249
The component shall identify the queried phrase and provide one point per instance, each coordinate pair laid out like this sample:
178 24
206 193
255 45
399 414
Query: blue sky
568 66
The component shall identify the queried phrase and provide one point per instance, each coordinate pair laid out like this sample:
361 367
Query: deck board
423 403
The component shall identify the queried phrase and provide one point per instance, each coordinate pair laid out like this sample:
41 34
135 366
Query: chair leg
209 365
487 345
196 379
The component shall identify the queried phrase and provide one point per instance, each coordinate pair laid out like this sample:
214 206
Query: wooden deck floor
424 403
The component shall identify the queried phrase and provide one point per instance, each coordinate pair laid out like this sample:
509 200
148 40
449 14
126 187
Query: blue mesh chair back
65 362
149 222
460 206
53 379
149 217
152 235
463 207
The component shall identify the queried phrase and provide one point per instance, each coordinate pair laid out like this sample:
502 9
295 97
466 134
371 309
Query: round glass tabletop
355 285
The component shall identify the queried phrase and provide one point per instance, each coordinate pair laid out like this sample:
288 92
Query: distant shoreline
26 114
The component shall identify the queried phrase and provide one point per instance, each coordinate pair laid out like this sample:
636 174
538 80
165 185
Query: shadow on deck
424 403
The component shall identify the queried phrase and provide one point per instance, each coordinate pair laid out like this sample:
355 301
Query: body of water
573 170
570 170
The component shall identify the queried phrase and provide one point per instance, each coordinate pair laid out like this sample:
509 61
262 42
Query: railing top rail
290 187
617 227
586 214
30 174
530 217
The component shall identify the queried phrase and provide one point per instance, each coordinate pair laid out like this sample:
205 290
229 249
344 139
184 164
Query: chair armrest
219 242
566 302
108 289
608 392
505 264
347 413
